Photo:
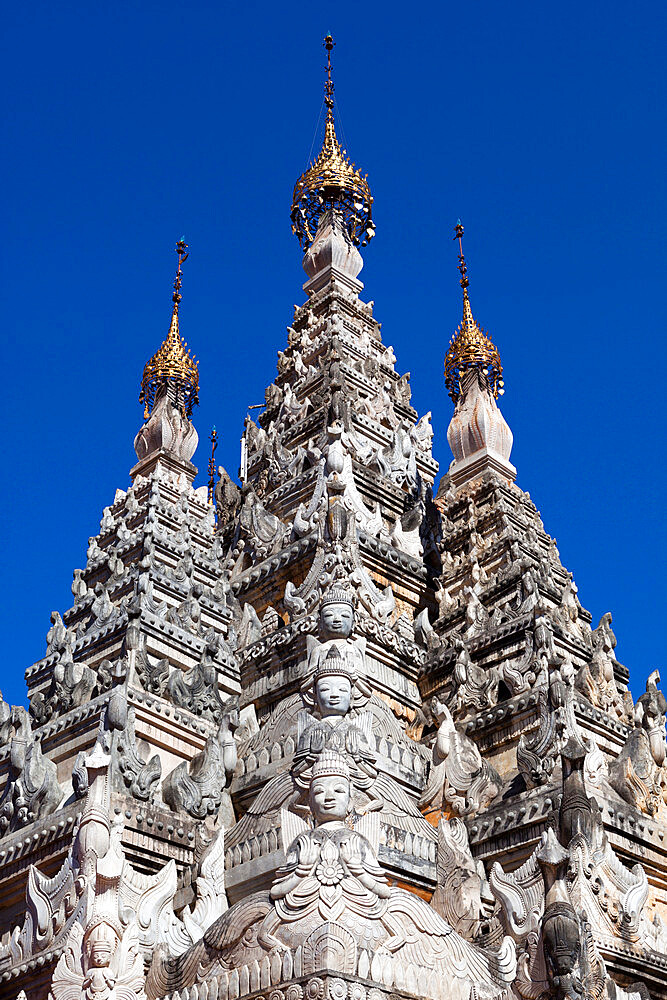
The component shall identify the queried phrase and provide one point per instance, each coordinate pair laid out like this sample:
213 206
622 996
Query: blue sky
540 125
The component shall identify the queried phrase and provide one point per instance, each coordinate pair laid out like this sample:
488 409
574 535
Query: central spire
332 182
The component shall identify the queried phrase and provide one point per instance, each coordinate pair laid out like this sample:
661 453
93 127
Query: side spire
478 434
172 370
332 182
470 347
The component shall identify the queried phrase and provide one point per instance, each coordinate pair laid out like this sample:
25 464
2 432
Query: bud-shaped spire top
172 369
331 181
470 347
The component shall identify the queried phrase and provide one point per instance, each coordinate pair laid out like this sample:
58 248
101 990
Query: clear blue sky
540 125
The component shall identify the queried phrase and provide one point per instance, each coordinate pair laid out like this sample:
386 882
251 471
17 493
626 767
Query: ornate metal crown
331 181
172 366
470 347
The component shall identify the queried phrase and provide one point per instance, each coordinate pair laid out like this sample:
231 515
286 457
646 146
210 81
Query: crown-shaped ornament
332 182
172 369
331 764
335 664
337 594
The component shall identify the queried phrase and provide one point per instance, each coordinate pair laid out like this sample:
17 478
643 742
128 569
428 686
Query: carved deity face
333 694
100 945
330 798
337 620
100 954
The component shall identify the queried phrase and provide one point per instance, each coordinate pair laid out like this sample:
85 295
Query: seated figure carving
331 889
336 729
331 869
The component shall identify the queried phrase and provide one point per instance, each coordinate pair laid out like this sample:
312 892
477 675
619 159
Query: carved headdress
331 764
335 664
336 594
102 930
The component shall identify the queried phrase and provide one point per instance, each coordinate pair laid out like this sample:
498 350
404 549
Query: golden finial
331 180
470 347
172 368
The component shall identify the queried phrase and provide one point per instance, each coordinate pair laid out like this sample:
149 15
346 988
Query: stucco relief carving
538 753
201 787
572 892
331 898
32 789
197 689
335 686
475 687
100 962
106 916
329 783
460 780
462 895
337 562
227 498
332 713
340 479
335 626
117 737
596 679
639 774
71 686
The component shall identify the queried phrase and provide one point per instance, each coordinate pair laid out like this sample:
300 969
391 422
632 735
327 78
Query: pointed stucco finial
332 256
332 181
478 434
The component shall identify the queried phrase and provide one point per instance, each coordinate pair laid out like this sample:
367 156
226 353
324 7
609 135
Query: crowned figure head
333 683
330 788
337 613
100 941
